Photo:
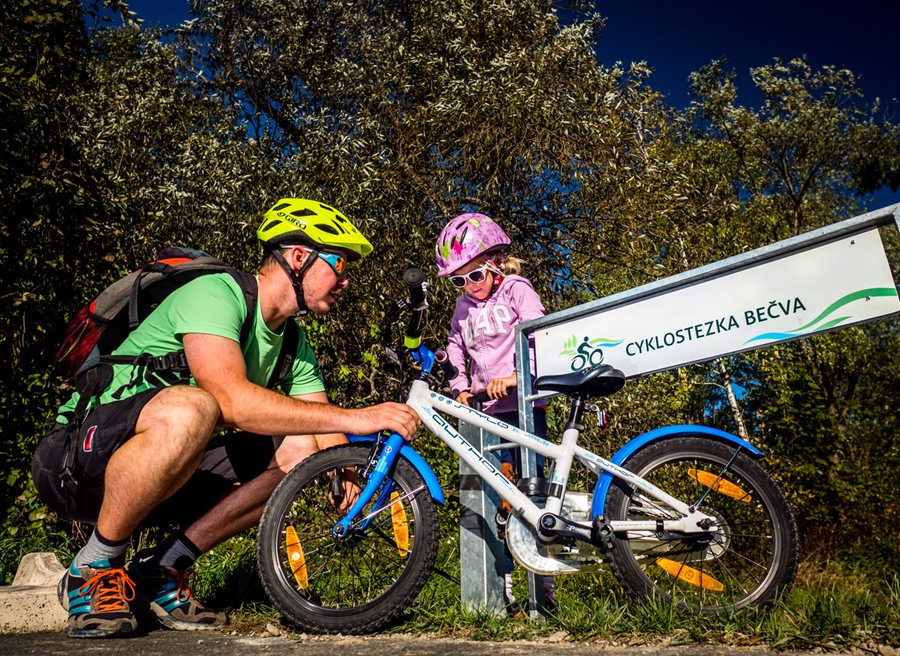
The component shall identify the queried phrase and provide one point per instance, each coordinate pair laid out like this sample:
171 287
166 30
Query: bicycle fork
385 463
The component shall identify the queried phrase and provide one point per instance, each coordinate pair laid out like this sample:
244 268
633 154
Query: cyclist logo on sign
587 355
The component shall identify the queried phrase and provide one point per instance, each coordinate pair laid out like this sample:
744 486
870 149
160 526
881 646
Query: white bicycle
682 512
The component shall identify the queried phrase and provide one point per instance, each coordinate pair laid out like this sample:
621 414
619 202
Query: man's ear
297 257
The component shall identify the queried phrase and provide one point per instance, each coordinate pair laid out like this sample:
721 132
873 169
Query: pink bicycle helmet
466 237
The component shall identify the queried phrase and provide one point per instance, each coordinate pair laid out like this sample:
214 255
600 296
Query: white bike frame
430 405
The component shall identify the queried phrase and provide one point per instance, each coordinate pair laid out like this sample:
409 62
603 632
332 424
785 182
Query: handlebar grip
450 372
414 279
481 397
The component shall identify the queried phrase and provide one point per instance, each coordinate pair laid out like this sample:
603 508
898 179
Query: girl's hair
511 265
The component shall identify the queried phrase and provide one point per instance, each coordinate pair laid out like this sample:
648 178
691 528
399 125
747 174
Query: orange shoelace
113 589
182 579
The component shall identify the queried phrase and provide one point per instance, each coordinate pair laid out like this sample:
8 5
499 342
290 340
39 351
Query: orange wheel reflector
401 526
722 486
689 575
296 557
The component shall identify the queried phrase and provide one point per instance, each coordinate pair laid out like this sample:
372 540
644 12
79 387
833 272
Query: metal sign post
480 550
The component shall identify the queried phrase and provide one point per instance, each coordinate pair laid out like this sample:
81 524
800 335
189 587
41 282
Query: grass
832 606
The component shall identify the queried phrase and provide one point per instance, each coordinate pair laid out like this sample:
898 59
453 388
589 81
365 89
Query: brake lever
392 356
394 308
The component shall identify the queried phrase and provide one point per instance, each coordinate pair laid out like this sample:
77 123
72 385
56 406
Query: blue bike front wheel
359 581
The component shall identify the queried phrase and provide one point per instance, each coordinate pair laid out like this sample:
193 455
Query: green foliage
827 408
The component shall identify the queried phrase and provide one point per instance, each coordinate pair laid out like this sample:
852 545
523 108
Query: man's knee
292 450
178 408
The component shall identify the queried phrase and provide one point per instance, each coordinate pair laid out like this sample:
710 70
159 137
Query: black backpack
102 325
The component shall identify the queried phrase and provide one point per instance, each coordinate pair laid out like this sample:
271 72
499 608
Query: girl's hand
463 397
498 387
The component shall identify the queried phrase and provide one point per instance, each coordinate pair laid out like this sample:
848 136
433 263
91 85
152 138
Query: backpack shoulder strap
287 353
250 289
291 339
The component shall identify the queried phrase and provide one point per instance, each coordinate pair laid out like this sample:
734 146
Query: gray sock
101 548
180 555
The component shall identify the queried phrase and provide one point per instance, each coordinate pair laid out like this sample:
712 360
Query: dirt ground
167 643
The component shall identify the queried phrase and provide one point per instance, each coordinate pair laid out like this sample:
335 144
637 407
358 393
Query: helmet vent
304 212
271 224
325 227
279 207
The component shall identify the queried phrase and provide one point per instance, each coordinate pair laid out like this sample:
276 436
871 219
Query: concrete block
30 604
39 569
30 609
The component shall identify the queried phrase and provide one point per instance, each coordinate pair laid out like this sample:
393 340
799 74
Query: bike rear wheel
748 562
356 583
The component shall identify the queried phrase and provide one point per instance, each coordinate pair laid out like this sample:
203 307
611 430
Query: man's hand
397 417
498 387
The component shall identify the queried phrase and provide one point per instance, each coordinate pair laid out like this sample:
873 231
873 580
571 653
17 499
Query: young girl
471 253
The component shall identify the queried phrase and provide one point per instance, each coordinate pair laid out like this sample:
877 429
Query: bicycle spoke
726 568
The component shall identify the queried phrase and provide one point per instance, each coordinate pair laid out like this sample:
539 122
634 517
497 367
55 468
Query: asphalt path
211 643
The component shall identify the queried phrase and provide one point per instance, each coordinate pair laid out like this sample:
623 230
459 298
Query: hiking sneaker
171 600
96 598
502 520
514 610
551 606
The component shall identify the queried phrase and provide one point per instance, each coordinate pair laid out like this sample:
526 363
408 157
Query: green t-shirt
212 305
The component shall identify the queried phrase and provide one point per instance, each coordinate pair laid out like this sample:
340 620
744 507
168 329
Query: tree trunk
732 401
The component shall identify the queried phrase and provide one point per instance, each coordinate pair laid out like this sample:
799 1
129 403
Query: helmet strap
296 277
498 280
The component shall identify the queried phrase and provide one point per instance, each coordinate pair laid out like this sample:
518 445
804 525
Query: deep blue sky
676 38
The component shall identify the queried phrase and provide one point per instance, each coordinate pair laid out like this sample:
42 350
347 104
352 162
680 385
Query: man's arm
323 441
217 365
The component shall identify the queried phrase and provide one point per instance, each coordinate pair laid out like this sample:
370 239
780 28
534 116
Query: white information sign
834 285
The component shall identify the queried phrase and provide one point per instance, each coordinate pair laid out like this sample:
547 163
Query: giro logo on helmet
299 221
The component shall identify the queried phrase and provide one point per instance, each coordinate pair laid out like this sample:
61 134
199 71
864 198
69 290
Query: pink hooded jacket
485 332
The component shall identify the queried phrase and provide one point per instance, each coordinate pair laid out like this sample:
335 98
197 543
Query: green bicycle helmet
311 223
302 222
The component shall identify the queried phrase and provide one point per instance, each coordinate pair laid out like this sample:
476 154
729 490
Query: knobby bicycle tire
356 584
748 563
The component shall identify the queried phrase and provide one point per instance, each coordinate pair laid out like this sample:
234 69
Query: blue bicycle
686 513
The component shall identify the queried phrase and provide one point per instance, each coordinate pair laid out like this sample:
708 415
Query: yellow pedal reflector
722 486
296 557
689 575
401 525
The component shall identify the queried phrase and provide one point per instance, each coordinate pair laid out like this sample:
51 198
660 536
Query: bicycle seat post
575 413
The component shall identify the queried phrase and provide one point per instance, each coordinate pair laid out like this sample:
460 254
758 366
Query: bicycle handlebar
415 280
